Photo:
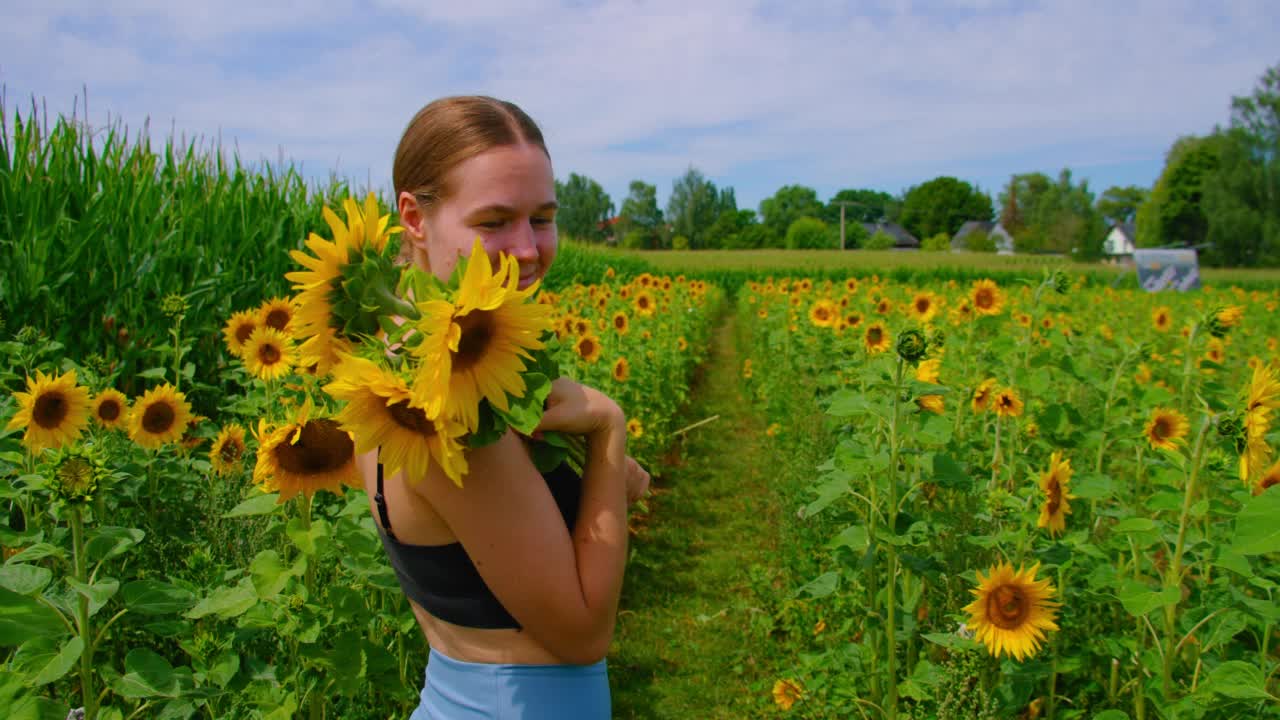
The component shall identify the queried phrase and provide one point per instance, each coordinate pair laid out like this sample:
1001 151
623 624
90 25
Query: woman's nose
524 243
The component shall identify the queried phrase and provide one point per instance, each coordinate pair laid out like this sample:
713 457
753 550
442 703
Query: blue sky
881 93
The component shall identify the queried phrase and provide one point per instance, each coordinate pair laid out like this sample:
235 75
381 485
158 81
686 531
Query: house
902 240
1004 241
1121 240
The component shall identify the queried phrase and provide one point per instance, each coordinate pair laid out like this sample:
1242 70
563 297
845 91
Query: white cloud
823 93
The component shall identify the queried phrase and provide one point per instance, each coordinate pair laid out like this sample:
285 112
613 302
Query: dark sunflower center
822 314
50 410
620 322
922 306
477 331
587 347
109 410
268 354
873 336
231 451
1162 429
322 447
643 301
243 332
412 419
984 298
1054 493
278 319
158 418
1269 480
1007 607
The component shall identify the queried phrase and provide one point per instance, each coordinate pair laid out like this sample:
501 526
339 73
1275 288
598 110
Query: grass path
693 633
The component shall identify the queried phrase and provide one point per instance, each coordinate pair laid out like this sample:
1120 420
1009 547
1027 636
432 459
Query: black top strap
381 501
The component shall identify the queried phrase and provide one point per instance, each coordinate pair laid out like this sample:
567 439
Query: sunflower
747 370
581 326
228 450
305 456
634 428
1024 319
851 285
1012 611
762 313
1269 478
1143 374
1056 484
160 416
54 410
987 298
588 348
682 344
621 370
238 329
853 320
924 306
269 354
876 338
927 371
644 303
786 692
277 313
111 408
823 313
884 306
474 347
620 323
379 413
1161 319
1007 403
1166 428
364 228
982 395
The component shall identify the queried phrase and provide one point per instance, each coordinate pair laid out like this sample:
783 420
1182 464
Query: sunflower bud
173 305
368 292
1232 428
76 475
912 346
1061 282
1222 319
937 340
28 335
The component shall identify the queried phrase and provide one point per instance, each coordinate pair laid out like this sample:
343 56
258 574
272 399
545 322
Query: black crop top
444 580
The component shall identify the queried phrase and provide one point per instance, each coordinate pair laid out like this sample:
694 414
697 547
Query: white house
1121 240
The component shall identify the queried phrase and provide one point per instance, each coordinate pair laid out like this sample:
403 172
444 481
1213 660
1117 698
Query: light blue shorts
457 690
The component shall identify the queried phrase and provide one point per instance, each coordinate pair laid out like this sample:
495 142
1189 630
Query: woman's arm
562 588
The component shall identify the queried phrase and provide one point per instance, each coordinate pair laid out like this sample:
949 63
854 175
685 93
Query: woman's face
506 196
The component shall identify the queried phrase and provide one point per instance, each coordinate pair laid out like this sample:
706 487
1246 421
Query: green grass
703 631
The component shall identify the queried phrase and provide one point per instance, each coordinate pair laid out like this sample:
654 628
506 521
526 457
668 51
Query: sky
880 94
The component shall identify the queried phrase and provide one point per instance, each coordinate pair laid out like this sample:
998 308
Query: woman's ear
412 218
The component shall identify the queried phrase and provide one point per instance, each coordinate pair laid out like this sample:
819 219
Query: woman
515 577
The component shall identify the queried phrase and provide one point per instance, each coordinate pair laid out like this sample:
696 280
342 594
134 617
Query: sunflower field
1046 498
160 563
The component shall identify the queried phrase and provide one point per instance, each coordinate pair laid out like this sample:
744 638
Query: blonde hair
449 131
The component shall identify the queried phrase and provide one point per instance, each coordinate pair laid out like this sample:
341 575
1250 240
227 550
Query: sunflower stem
892 549
1173 578
82 615
1186 367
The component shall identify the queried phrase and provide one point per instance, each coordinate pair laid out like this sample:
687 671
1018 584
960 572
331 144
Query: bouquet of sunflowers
420 368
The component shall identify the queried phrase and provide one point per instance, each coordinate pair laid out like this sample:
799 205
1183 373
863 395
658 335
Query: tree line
1217 192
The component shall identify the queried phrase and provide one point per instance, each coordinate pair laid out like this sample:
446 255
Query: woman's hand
577 409
637 481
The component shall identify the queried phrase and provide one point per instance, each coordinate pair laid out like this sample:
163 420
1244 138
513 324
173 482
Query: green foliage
936 243
1120 204
808 233
1173 214
942 205
679 242
694 205
868 206
980 241
735 229
788 204
881 240
1055 215
584 207
640 219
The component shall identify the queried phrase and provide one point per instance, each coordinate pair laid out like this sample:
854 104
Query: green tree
640 216
1120 204
1242 196
980 241
943 204
1010 212
733 230
788 204
869 206
1173 215
808 233
881 240
584 207
693 206
1055 215
936 243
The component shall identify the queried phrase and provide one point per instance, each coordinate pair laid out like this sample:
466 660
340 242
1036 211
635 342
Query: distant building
1121 240
609 227
1004 241
902 240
